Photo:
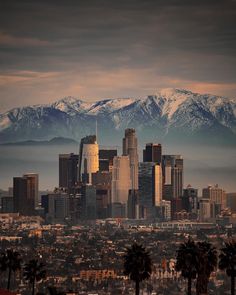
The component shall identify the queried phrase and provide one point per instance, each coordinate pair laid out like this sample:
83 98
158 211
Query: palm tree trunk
202 284
137 287
33 285
189 286
9 279
232 285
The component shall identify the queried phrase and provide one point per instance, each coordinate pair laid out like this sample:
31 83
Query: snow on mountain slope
167 110
173 98
109 105
71 105
5 122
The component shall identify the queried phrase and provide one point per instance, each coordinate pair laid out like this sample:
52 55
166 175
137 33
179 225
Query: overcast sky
95 49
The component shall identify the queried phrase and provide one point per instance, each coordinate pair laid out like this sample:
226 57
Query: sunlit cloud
117 49
6 39
23 77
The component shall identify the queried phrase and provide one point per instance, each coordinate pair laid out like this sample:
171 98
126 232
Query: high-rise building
88 158
231 201
157 185
172 171
146 186
190 199
152 153
133 211
130 148
24 194
103 202
215 194
121 182
68 170
204 210
7 204
106 157
89 201
166 210
102 182
33 187
58 207
150 186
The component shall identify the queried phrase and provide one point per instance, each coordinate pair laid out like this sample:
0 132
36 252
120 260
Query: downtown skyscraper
25 194
68 170
172 171
121 184
152 153
88 158
130 148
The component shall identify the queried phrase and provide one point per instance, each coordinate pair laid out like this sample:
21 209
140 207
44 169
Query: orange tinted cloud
6 39
224 89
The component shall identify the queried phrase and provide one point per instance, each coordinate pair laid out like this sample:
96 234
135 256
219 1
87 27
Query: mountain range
169 115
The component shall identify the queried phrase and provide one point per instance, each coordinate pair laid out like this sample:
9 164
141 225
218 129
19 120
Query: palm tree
228 262
3 262
11 261
34 272
53 291
206 263
186 262
137 264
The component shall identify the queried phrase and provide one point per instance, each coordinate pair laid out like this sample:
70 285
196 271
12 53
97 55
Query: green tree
186 262
10 260
137 264
228 262
206 263
34 272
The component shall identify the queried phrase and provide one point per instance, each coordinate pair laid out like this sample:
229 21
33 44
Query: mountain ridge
167 113
53 141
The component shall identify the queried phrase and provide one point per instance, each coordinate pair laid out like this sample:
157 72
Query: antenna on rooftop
96 130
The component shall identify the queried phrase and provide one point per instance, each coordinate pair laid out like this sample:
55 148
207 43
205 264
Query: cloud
115 48
9 40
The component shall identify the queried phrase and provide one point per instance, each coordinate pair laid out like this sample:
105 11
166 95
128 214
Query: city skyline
72 150
117 147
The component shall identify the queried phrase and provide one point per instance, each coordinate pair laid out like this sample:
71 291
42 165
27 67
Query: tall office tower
103 201
231 201
166 210
133 211
121 184
7 204
88 201
75 208
58 207
106 157
205 213
33 187
102 182
150 187
172 171
146 187
152 153
88 158
157 185
68 170
130 148
215 194
23 195
190 199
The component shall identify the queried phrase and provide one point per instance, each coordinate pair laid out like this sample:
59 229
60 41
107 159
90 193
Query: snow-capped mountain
169 114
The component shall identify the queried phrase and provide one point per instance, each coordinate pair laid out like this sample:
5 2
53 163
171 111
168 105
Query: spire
96 130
